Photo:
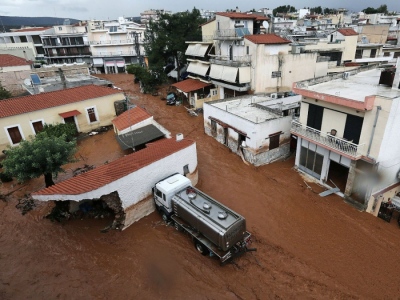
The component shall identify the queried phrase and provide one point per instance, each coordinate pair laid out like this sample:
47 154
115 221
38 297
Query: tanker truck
215 229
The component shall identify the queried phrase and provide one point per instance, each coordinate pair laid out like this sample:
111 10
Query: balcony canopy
190 85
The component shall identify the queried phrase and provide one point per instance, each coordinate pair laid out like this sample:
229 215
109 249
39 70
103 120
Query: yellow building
88 107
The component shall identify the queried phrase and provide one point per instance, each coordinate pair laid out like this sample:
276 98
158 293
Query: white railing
111 42
326 139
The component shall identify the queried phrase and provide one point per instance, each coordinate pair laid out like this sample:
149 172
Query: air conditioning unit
274 96
241 43
345 75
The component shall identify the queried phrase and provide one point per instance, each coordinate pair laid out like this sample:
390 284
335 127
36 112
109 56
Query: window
185 169
247 50
214 92
358 53
59 28
373 53
92 114
15 135
274 140
37 126
311 162
213 128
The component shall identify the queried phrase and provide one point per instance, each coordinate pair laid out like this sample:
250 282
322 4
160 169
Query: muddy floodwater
308 247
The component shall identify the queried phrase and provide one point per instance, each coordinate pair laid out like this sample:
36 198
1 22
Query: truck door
160 199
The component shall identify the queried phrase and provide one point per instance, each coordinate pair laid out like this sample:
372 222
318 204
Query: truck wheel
164 216
201 248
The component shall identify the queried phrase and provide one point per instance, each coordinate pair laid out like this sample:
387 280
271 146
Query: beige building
88 107
13 71
115 44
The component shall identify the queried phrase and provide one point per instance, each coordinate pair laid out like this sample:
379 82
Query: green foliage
283 9
316 10
329 11
57 130
165 39
43 155
149 78
381 9
4 94
5 177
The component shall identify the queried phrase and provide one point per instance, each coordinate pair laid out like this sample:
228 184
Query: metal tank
215 221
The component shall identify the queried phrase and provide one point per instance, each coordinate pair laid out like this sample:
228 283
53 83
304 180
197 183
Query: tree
283 9
4 94
149 78
381 9
58 130
164 39
43 155
317 10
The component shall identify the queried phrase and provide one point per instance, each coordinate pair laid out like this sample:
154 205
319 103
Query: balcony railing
340 145
114 53
237 33
112 42
234 61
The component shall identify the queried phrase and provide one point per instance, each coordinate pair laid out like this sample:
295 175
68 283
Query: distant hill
7 22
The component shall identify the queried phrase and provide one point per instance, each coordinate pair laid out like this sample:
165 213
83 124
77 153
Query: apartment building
347 134
115 44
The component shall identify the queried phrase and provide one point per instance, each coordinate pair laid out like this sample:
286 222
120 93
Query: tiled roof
8 60
117 169
236 15
32 29
267 39
130 117
347 31
190 85
25 104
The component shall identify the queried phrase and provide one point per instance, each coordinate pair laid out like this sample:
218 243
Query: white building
348 133
256 127
125 185
115 44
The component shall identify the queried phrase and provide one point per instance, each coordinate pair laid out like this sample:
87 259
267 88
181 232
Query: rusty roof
106 174
190 85
130 117
237 15
8 60
347 31
25 104
266 39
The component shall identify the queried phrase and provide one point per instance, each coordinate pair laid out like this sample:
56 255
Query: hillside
8 22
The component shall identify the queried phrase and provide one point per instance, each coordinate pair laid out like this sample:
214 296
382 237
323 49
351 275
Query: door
352 129
71 120
314 118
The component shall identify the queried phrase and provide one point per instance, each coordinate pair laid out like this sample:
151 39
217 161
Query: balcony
231 34
114 53
55 45
327 140
113 42
234 61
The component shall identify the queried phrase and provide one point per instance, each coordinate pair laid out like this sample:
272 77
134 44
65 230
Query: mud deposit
308 247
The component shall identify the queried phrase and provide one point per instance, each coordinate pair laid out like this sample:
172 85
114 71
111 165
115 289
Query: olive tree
43 155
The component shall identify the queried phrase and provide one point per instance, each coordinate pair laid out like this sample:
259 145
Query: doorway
338 175
71 120
226 136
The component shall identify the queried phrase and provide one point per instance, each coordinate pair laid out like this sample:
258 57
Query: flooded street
307 246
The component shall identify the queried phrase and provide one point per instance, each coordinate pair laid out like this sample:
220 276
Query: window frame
36 121
95 114
20 132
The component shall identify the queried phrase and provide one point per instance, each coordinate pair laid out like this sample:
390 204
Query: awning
244 74
98 62
139 137
120 63
198 68
191 49
216 71
197 50
70 113
202 50
190 85
229 74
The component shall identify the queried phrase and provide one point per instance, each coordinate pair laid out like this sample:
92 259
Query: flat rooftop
257 108
356 87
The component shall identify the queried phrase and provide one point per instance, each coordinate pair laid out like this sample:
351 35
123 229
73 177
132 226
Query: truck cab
165 189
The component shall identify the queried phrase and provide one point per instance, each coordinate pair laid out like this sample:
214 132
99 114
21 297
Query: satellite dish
265 24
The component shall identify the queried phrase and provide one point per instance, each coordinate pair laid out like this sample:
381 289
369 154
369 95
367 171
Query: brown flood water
307 246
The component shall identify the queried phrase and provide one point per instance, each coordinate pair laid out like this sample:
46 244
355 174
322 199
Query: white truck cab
165 189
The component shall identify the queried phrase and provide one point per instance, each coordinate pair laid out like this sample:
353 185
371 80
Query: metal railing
228 33
111 42
339 144
234 61
114 53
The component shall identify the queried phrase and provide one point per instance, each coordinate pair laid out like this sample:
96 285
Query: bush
4 177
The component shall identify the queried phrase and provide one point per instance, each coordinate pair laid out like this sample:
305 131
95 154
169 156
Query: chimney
179 137
396 81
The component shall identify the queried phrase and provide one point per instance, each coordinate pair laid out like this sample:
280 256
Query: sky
106 9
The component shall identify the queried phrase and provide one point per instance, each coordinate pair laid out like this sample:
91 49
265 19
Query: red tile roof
190 85
32 29
236 15
266 39
117 169
347 31
7 60
130 117
25 104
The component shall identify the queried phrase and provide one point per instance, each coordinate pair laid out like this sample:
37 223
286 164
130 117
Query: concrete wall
257 142
349 52
68 70
12 78
23 50
208 29
375 33
104 107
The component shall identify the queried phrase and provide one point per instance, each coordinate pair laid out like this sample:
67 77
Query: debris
82 170
25 205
